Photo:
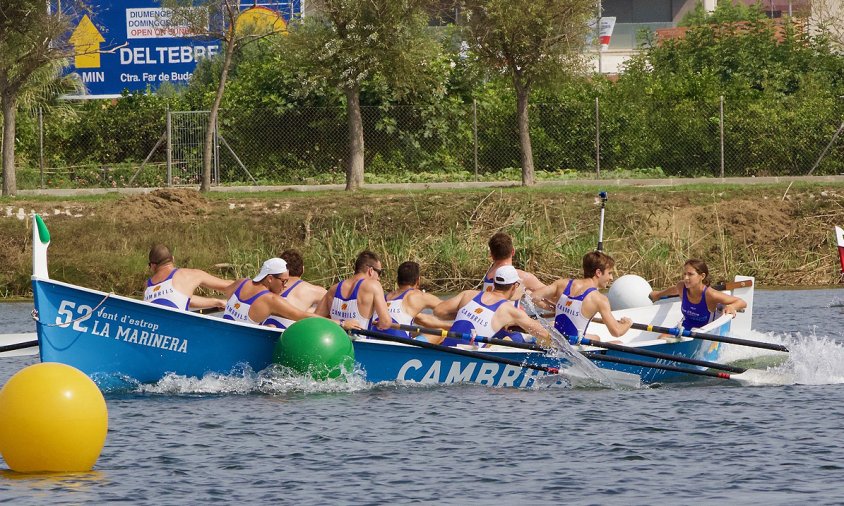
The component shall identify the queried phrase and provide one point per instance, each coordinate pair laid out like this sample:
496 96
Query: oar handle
465 336
674 331
455 351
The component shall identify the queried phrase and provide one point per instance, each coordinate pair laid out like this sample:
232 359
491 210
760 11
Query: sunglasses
283 280
377 270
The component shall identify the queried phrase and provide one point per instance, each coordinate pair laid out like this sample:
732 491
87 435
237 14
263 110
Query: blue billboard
137 44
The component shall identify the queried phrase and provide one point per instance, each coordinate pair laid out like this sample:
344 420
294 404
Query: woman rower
699 301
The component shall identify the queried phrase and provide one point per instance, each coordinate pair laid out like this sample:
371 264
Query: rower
487 314
578 300
501 252
355 300
257 300
173 287
298 292
699 301
407 302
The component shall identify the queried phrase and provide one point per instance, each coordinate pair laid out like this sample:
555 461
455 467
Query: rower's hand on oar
350 325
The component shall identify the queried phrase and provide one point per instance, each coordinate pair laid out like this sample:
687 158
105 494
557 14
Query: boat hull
107 335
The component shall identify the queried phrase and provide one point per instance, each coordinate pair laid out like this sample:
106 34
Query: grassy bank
781 235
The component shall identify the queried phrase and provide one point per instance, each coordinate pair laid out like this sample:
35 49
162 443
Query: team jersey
237 309
695 315
568 318
346 308
475 317
395 307
280 321
165 293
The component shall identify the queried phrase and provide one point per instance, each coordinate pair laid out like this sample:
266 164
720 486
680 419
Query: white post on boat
40 242
603 196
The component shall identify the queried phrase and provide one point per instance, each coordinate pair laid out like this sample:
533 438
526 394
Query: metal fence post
475 133
169 149
597 139
41 144
216 152
722 136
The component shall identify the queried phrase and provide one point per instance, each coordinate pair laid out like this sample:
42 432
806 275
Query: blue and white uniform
279 321
346 308
568 318
695 315
165 293
474 317
237 309
395 307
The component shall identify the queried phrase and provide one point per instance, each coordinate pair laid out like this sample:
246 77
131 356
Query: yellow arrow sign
86 40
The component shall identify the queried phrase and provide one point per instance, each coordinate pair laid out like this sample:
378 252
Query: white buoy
629 291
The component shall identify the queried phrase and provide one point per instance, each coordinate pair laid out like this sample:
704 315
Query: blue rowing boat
109 337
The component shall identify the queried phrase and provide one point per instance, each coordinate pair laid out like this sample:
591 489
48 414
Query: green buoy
317 347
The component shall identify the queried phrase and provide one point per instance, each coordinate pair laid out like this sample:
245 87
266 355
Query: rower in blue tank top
257 300
173 287
165 294
695 287
484 314
364 300
278 321
407 302
577 301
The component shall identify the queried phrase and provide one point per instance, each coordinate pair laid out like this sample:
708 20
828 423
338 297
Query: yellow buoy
52 418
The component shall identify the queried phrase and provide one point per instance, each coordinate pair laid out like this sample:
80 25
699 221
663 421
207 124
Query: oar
664 367
484 356
455 351
574 340
674 331
18 346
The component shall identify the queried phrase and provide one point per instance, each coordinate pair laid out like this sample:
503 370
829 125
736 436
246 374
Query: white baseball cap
507 275
271 266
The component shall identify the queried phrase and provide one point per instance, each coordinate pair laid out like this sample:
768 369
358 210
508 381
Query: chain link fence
308 145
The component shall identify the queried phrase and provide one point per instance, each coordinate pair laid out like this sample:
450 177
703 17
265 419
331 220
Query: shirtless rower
173 287
298 292
354 301
487 314
577 301
257 300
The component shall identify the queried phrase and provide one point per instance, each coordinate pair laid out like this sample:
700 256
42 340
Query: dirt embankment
783 236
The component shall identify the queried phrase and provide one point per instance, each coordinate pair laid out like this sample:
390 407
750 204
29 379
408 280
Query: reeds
649 232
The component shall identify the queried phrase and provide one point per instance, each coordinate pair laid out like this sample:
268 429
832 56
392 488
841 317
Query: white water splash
274 380
581 366
811 360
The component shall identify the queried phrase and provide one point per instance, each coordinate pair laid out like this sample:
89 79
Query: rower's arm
210 281
448 308
524 321
617 328
379 306
671 291
731 303
324 306
198 302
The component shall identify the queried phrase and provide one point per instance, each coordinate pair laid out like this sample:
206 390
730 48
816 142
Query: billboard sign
137 44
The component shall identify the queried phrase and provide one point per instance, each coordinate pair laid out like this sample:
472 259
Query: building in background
634 16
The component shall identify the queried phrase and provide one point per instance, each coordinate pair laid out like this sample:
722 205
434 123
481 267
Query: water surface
262 439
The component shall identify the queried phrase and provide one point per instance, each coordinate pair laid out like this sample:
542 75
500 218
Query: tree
352 44
531 41
225 21
33 45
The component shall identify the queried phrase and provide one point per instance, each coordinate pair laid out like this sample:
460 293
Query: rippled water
261 439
